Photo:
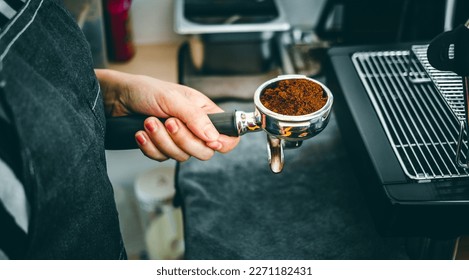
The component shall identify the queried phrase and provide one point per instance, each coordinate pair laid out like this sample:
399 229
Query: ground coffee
294 97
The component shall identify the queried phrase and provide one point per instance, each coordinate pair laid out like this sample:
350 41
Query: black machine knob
438 51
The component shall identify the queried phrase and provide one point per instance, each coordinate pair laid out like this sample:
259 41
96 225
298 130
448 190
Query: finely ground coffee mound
294 97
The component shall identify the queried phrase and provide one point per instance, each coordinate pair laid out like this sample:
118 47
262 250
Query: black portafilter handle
438 51
120 131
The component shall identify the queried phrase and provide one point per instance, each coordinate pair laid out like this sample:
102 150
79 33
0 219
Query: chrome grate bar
448 84
420 123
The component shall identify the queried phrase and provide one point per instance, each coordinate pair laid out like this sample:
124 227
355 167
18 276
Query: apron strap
8 10
9 145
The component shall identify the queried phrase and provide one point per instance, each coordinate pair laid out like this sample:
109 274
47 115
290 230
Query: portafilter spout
283 131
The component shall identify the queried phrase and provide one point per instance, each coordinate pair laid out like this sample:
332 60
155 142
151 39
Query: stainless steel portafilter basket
283 131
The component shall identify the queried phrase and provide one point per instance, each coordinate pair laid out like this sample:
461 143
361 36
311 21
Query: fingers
224 144
197 121
189 110
227 143
187 141
148 148
171 140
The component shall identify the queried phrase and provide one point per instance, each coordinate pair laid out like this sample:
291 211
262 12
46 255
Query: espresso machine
404 109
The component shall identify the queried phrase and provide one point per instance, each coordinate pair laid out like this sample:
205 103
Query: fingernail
150 125
171 126
141 139
211 133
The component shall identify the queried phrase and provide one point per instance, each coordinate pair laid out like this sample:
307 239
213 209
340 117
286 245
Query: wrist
114 89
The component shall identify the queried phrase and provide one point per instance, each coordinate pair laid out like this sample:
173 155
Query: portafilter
283 131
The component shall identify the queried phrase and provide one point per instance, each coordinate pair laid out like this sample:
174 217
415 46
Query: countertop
156 60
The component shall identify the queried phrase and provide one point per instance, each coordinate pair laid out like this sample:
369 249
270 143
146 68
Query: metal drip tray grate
418 107
448 83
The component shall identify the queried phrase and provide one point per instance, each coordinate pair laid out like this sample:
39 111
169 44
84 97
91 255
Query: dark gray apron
55 104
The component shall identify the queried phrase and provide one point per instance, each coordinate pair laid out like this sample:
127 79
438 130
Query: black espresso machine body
404 198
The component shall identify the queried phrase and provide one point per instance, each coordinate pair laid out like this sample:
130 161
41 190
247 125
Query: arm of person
187 130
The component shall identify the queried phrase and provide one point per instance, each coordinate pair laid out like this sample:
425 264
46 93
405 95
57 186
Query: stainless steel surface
465 81
247 122
454 92
233 53
275 153
184 26
420 119
448 83
283 131
286 128
449 14
292 128
460 146
304 52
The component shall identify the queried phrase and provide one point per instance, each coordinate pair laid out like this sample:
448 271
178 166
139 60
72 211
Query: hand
187 131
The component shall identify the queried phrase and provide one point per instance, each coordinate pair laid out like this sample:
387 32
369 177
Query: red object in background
120 44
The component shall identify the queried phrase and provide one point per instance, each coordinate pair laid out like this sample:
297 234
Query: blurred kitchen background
226 54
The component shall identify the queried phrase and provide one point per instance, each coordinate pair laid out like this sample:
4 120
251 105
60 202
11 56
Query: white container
161 222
